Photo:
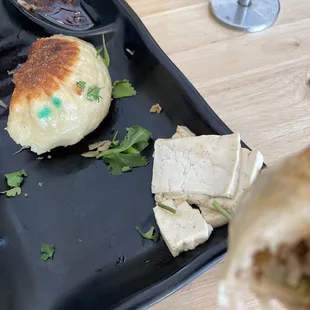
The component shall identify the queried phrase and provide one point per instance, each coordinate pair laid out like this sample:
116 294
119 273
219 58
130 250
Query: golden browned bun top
49 64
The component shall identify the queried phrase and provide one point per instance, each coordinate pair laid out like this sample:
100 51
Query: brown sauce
66 12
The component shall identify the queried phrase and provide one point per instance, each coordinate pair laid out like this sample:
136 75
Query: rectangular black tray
101 262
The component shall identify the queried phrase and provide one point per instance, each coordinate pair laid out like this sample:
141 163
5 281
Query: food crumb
26 195
3 105
40 184
49 156
156 108
121 259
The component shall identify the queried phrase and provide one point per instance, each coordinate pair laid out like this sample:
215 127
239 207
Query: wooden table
257 83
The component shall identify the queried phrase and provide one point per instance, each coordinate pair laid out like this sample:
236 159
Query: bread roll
269 240
62 93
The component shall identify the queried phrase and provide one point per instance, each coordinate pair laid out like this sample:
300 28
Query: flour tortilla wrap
269 240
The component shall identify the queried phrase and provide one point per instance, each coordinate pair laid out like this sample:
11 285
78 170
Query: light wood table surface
257 83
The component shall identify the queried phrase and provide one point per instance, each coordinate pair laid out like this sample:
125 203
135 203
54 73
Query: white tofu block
207 165
251 164
184 230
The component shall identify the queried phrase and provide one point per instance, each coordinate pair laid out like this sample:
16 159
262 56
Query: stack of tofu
198 170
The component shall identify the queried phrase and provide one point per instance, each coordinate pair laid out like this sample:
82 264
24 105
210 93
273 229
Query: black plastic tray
88 214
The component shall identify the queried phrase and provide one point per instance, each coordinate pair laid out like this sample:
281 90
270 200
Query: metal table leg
246 15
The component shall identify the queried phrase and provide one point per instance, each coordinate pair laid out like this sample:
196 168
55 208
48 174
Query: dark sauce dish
76 17
90 216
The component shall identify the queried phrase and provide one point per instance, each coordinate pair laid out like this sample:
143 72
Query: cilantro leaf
150 235
15 179
93 93
47 251
137 137
81 85
126 160
15 191
122 89
126 155
115 168
126 169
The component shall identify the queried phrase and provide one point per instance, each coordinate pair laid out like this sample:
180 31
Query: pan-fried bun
53 103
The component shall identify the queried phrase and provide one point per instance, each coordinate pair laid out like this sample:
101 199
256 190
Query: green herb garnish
93 93
122 158
47 251
126 169
14 180
150 235
117 161
172 210
217 207
122 89
81 85
98 53
115 142
15 191
106 56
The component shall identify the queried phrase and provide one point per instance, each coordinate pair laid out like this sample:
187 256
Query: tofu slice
184 230
251 164
183 131
207 165
250 167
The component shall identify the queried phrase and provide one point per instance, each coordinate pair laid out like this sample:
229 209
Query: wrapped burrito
269 240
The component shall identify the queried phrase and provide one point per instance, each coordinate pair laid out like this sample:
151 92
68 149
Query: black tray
88 214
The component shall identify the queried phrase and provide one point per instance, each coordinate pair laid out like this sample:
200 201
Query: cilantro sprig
150 234
127 155
14 181
123 89
92 93
47 251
